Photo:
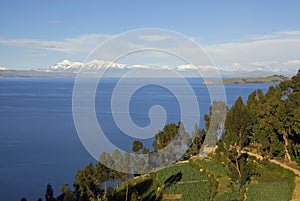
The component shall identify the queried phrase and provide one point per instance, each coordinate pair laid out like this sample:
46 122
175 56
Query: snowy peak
65 66
192 67
69 66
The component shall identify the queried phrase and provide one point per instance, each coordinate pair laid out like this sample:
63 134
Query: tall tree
238 125
198 136
67 193
88 182
49 196
117 169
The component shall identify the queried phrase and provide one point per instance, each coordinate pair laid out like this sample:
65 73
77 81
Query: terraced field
198 180
188 181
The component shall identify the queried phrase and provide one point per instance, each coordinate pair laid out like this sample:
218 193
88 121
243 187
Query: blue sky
211 23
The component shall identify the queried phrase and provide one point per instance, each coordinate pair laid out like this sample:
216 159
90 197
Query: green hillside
208 180
258 80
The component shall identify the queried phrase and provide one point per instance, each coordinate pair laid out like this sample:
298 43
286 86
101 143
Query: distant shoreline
259 80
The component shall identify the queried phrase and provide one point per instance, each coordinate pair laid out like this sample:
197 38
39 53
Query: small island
258 80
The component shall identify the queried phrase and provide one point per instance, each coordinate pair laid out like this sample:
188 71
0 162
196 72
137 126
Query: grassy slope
193 185
269 79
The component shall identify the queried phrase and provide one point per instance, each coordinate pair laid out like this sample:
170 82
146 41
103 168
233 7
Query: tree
241 170
88 182
104 173
127 165
238 125
290 116
137 146
163 138
145 150
198 136
49 193
116 172
66 192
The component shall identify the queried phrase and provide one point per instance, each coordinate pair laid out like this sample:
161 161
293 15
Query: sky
236 34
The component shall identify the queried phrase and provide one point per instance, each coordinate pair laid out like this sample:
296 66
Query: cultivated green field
198 180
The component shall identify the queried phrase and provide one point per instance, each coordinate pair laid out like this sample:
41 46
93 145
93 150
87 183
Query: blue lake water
38 140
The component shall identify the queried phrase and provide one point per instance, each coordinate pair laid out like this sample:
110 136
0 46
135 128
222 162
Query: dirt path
296 193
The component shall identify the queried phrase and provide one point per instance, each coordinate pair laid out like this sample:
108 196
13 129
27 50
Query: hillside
208 179
258 80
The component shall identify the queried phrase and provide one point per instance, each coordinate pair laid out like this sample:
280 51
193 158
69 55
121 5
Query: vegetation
191 183
279 191
268 79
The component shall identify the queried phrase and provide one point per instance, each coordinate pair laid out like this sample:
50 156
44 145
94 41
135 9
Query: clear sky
32 30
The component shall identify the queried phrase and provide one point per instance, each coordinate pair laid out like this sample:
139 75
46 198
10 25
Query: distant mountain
187 70
68 68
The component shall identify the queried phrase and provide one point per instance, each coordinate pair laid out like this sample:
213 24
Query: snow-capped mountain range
68 68
185 70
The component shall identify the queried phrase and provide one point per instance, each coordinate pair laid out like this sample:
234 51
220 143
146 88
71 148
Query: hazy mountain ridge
67 68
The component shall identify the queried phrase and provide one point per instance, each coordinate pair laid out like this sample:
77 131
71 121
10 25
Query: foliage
238 126
198 137
163 138
49 196
276 127
137 145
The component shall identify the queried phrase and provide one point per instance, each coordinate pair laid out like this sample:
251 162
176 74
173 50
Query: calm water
38 139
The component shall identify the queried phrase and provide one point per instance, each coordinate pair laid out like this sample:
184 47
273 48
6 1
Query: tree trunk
240 143
126 191
238 168
286 144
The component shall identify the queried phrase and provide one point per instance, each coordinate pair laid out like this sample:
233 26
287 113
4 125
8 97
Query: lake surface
38 140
